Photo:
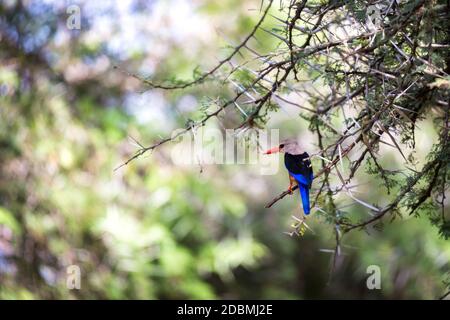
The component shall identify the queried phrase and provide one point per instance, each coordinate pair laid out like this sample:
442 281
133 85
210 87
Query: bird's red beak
273 150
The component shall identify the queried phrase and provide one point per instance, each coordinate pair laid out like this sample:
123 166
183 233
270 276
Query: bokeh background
152 229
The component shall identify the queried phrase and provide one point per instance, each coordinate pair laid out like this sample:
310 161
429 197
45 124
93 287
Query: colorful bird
298 164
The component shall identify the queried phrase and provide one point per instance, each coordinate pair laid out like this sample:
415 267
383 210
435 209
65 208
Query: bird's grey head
290 146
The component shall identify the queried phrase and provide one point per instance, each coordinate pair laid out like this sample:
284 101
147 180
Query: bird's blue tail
304 194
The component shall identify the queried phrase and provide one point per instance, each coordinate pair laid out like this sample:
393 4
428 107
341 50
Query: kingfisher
298 165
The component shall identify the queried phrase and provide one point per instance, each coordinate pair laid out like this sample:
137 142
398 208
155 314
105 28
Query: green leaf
7 219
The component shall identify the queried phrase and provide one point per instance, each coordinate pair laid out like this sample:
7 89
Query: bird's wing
301 178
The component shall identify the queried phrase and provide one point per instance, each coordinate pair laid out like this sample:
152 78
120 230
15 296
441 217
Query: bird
298 164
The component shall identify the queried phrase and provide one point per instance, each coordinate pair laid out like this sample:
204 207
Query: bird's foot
290 189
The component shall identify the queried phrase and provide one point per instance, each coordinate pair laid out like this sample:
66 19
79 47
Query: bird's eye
281 146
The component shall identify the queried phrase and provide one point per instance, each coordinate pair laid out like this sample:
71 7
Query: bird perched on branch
298 164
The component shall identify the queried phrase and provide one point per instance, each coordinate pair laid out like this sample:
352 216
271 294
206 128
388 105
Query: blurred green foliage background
154 230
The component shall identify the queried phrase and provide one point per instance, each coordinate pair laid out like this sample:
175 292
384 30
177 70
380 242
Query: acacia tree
381 66
385 66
